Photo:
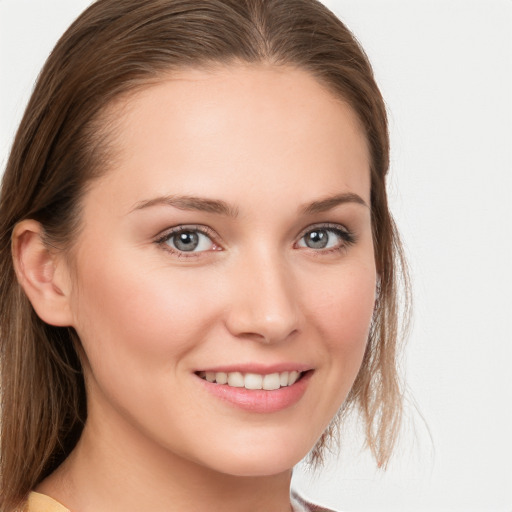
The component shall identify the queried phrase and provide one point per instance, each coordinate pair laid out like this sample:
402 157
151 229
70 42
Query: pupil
186 241
317 239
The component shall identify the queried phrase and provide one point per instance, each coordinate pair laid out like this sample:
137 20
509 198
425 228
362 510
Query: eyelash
347 238
162 239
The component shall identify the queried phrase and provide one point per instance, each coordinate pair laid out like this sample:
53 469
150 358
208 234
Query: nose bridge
264 306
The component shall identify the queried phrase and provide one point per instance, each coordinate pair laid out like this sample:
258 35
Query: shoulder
299 504
40 503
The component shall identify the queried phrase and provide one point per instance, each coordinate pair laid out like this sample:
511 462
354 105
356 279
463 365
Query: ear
42 273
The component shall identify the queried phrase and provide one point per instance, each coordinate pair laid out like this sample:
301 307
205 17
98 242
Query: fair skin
266 174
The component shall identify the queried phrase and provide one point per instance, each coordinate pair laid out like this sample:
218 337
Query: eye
325 238
187 240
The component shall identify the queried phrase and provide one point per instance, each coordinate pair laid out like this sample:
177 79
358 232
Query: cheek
136 316
342 308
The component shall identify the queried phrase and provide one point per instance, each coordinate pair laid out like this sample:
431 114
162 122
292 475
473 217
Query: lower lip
260 401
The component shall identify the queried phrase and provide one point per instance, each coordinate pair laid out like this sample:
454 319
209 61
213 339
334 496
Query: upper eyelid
347 237
164 236
214 236
323 225
205 230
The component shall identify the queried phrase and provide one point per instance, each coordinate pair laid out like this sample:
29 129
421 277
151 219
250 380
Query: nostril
268 336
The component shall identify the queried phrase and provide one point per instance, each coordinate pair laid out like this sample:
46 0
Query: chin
261 461
258 468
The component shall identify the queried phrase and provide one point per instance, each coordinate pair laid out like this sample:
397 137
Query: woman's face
231 241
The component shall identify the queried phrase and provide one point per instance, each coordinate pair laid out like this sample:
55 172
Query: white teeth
253 381
267 382
221 378
292 377
236 380
271 381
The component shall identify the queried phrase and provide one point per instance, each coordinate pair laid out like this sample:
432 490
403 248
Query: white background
444 67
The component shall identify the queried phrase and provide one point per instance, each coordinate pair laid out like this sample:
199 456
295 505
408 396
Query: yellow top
40 503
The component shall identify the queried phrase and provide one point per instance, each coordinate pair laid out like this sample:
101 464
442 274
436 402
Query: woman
200 272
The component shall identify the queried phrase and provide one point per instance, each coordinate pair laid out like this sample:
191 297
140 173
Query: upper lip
261 369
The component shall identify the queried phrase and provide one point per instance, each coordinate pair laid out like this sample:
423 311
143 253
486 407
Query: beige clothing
40 503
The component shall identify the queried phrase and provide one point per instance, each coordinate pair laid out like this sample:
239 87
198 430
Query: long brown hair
114 47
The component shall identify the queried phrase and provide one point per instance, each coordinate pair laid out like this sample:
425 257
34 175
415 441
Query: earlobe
42 274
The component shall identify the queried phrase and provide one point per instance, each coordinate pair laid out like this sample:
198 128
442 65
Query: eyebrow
324 205
220 207
190 203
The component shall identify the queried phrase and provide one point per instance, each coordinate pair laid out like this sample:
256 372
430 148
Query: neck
114 468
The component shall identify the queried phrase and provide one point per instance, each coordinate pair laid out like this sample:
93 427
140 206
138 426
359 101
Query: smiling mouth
253 381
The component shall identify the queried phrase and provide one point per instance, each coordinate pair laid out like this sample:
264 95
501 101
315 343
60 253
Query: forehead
212 131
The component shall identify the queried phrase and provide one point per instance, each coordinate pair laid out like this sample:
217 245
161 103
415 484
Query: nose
263 303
